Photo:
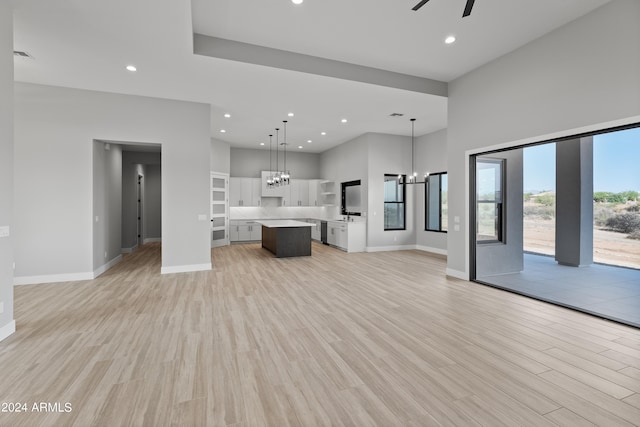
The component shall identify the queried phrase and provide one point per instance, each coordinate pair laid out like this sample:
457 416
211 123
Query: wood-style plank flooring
334 339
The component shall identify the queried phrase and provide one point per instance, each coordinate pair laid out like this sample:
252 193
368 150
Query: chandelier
278 177
413 176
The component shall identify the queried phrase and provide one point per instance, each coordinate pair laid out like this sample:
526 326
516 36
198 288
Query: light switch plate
202 217
4 231
456 227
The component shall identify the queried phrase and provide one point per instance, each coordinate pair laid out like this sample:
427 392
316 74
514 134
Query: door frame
225 241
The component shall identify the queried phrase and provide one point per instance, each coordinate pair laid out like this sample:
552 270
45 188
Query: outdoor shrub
546 199
624 223
541 212
601 215
635 235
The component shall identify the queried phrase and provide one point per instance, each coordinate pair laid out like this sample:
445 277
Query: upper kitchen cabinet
244 192
314 192
299 193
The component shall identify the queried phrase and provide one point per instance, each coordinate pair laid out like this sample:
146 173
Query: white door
219 209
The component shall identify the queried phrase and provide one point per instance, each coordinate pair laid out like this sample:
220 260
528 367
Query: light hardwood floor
333 339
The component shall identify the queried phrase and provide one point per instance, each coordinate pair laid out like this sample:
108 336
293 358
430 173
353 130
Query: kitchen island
286 238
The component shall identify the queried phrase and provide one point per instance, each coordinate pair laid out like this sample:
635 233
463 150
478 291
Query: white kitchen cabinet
348 236
333 231
314 192
244 231
316 230
244 191
299 192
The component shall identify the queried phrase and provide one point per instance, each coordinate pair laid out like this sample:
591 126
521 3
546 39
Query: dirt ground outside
608 247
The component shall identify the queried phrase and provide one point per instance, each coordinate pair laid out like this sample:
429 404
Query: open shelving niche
328 192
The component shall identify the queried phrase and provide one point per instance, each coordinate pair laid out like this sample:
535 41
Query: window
394 196
489 200
351 198
436 204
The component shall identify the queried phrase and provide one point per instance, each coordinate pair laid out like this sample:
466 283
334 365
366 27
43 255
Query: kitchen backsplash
263 212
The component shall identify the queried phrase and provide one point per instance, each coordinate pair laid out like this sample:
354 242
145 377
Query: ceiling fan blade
468 7
419 5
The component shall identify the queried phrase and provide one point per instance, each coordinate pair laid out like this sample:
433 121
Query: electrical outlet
456 227
105 255
4 231
1 307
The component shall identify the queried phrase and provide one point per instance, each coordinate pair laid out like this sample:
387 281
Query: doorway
219 212
139 210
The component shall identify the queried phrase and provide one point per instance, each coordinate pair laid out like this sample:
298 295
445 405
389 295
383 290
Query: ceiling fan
467 8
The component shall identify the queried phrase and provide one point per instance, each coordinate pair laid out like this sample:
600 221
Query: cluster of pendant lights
413 177
278 177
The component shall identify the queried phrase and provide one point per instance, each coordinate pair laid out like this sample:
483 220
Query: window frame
403 202
426 203
500 203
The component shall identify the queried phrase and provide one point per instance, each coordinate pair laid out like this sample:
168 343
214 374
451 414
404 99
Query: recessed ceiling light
222 131
299 146
297 1
449 39
290 114
323 133
344 120
309 141
131 68
262 143
227 115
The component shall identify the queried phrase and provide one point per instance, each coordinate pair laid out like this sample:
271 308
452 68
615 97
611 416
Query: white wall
7 324
107 205
368 158
388 154
347 162
220 156
54 130
585 75
431 156
249 163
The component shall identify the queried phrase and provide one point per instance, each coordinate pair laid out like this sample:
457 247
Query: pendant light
413 176
284 176
276 175
270 176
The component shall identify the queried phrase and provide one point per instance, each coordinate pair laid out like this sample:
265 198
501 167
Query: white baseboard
185 268
389 248
128 250
7 330
457 274
52 278
107 266
152 240
432 250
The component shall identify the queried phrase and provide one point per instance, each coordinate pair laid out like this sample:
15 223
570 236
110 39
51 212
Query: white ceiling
87 44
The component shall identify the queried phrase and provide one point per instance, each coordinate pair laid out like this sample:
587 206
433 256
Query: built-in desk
286 238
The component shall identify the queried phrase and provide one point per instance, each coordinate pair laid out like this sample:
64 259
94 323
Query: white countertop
273 223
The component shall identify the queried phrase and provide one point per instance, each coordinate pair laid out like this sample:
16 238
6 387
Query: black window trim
500 205
404 203
426 204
